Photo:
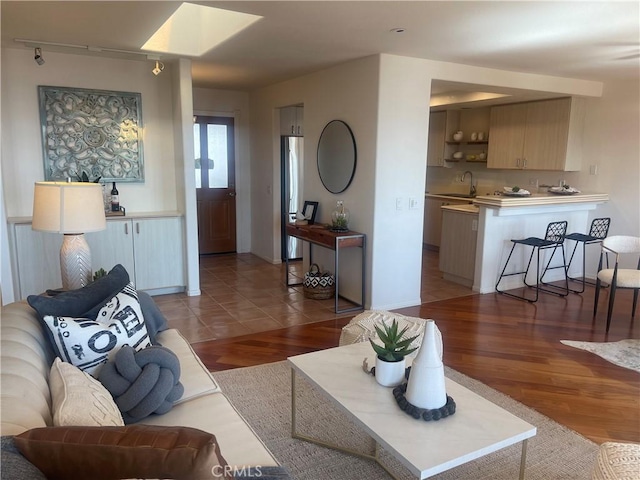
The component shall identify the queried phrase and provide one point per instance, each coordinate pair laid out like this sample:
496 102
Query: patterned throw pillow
80 399
88 344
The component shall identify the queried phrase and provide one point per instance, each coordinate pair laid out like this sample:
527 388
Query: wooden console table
320 235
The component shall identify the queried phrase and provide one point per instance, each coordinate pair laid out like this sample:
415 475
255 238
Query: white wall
22 162
235 104
347 92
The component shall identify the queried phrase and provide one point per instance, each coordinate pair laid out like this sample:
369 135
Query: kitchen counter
470 208
537 199
502 218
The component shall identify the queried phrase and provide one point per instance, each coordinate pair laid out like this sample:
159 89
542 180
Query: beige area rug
262 395
624 353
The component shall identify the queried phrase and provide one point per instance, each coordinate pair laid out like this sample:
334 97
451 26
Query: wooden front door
215 184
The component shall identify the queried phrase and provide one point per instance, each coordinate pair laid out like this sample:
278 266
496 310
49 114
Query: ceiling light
398 30
38 56
158 68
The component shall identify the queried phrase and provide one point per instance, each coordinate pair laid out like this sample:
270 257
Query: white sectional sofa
26 357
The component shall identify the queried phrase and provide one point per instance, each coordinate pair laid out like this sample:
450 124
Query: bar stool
598 232
554 238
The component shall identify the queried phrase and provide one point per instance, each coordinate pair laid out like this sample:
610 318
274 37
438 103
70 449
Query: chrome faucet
472 188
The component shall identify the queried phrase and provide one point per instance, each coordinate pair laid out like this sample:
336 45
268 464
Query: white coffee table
478 427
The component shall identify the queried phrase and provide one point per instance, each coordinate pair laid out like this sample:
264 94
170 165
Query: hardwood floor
246 316
511 345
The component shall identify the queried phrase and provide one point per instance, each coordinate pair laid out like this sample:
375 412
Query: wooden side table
320 235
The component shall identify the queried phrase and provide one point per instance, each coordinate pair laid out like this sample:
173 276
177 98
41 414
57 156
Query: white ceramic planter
389 374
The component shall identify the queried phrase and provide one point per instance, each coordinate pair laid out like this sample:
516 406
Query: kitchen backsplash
487 181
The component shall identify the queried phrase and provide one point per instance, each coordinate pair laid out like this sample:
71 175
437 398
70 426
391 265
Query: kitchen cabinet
437 129
433 218
442 146
457 257
292 121
544 135
151 249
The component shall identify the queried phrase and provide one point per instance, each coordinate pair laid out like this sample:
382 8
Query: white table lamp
71 208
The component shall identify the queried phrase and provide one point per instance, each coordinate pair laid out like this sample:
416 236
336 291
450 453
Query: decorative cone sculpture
426 388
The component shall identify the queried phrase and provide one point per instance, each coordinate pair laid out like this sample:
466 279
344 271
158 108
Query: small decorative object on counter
390 357
318 286
481 136
474 136
457 137
340 218
426 387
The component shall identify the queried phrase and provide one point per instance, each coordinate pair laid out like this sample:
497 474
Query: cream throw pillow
79 399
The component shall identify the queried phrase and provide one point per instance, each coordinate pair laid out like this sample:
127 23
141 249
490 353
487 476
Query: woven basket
318 286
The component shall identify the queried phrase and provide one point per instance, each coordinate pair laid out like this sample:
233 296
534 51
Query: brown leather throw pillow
133 451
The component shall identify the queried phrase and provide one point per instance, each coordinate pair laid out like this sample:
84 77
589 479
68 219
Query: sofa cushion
194 376
143 383
214 413
134 451
76 303
14 466
79 399
88 344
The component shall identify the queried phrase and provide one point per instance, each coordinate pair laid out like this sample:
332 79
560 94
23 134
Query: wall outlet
593 169
399 203
413 203
533 182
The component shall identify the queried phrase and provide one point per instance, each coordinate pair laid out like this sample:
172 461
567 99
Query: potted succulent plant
390 357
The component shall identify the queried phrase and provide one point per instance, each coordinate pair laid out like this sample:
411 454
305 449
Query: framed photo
309 211
92 132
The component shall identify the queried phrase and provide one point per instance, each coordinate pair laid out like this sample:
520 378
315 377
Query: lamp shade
68 207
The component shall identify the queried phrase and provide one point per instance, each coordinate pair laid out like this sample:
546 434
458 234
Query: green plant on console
83 177
395 347
99 274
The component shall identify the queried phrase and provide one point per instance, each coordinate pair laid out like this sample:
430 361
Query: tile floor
243 294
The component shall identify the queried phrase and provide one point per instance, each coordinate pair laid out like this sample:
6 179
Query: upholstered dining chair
617 277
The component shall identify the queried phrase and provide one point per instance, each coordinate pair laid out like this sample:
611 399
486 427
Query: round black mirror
336 156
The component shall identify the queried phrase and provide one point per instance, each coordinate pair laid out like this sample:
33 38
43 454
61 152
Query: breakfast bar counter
502 218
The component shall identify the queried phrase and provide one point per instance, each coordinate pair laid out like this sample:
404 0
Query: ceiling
586 40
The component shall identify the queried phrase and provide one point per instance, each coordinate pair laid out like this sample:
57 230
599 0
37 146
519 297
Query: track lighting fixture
38 56
158 68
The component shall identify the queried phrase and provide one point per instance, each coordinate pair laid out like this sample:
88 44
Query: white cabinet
151 249
36 256
544 135
292 121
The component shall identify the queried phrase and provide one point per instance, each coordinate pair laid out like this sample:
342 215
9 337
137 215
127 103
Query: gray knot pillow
143 382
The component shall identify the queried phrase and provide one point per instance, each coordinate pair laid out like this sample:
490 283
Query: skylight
193 30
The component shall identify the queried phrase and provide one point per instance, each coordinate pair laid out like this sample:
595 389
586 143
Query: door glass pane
217 146
196 150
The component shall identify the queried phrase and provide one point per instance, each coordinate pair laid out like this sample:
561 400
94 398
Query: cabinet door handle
524 163
126 228
138 228
517 162
299 129
293 129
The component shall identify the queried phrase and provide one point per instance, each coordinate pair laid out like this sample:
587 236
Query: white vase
389 374
426 387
